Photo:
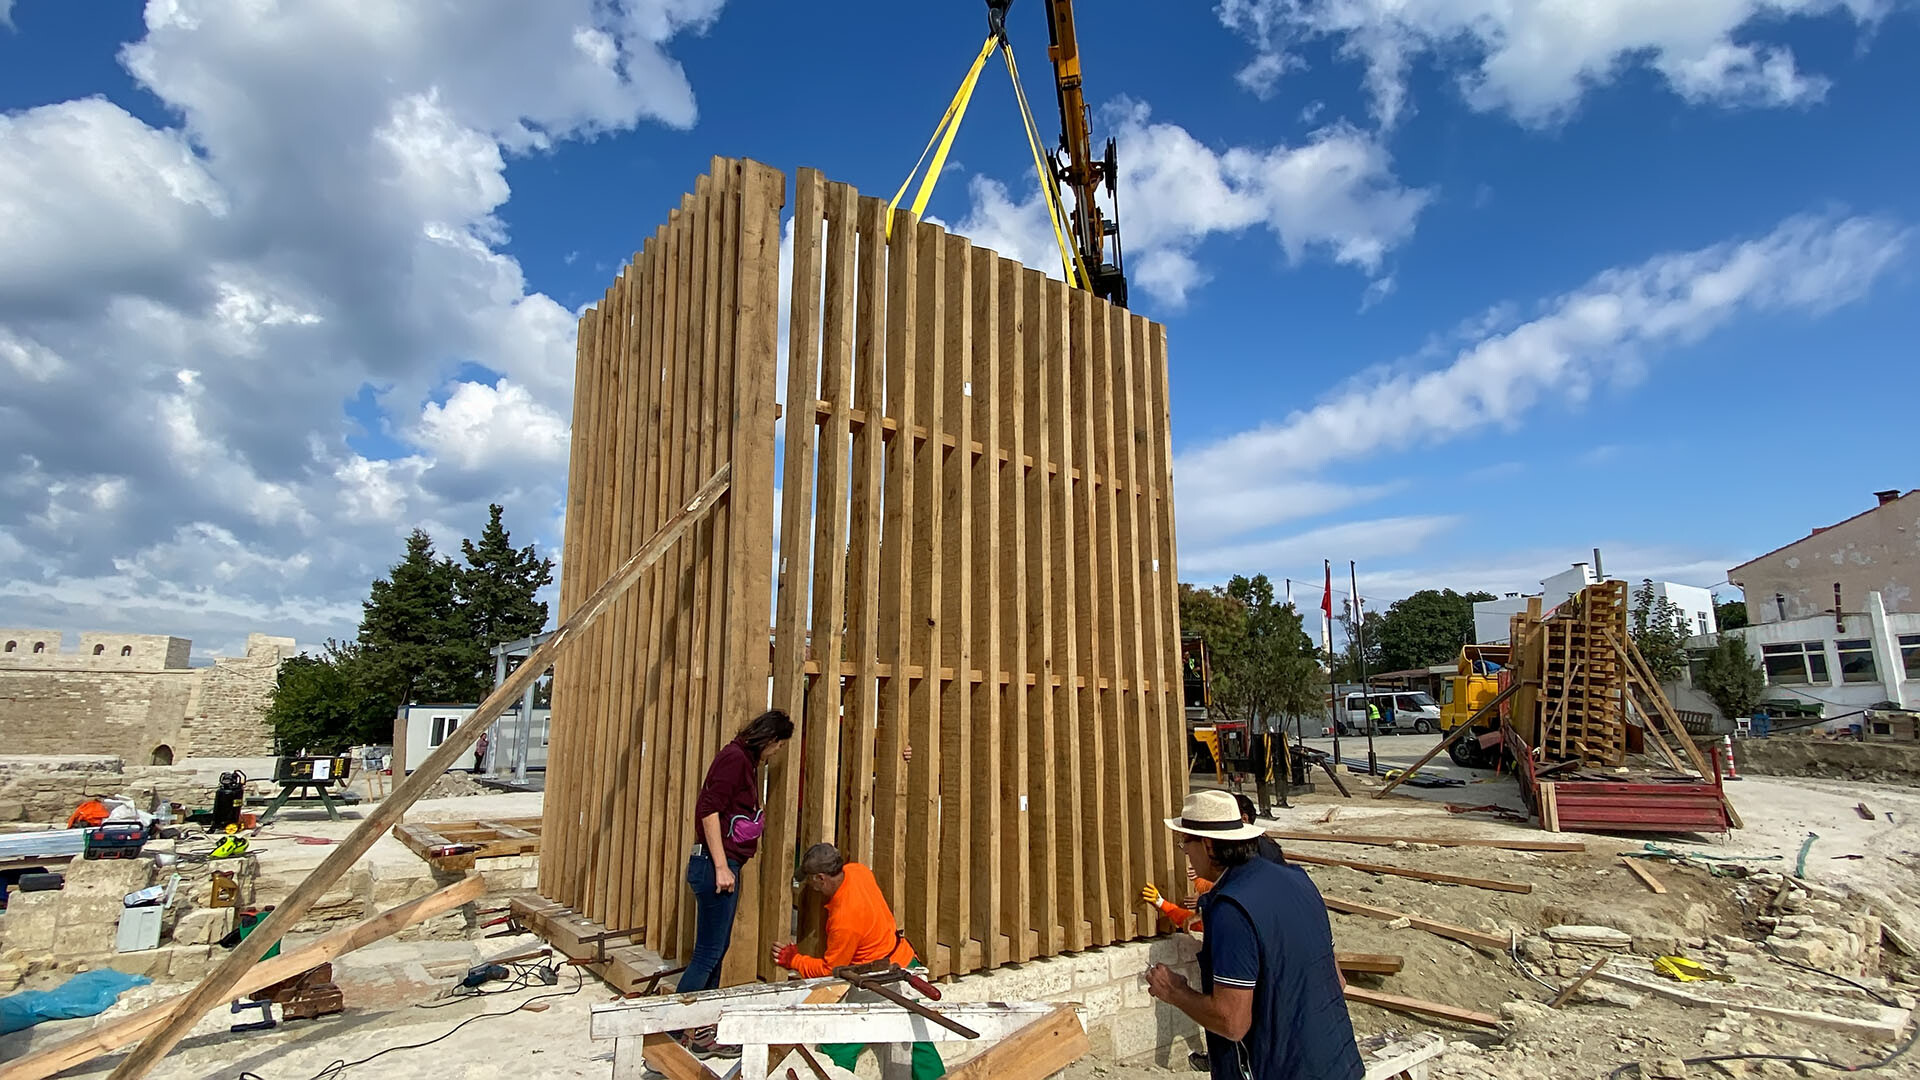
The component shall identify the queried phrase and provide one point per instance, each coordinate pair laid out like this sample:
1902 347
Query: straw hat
1213 815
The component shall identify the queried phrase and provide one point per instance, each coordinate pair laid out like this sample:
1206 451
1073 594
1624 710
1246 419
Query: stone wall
44 789
144 706
1868 762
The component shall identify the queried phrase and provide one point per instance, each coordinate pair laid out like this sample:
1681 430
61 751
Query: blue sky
1459 295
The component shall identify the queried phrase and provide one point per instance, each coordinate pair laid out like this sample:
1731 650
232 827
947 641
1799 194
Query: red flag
1326 598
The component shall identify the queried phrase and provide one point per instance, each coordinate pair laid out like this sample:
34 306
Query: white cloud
1603 333
1334 195
186 310
1535 59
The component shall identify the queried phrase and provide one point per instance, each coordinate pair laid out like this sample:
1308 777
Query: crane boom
1081 172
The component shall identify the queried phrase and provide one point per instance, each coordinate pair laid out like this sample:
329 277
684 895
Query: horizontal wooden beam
648 1016
1417 1007
1388 840
870 1022
1437 878
1497 942
1369 963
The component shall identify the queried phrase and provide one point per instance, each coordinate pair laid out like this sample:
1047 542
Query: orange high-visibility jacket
860 928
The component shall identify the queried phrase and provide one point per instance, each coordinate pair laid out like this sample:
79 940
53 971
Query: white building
1855 661
1490 616
425 727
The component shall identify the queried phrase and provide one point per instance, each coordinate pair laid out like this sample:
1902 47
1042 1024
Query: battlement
98 650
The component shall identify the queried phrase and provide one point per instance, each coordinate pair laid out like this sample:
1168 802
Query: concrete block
1100 1001
1092 968
30 921
1127 960
1134 993
11 975
1140 1032
203 926
153 963
113 878
393 891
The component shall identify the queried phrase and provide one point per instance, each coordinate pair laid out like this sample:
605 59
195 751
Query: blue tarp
86 994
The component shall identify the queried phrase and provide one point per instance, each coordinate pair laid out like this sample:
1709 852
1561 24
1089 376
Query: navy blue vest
1300 1029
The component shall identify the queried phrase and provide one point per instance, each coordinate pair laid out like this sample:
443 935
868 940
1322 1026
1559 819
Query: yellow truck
1477 682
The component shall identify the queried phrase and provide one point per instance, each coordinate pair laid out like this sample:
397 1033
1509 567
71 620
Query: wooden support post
222 979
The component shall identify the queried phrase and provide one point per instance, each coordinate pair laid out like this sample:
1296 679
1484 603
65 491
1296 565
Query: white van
1400 711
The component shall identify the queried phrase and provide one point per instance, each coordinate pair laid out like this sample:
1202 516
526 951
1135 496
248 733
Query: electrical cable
335 1069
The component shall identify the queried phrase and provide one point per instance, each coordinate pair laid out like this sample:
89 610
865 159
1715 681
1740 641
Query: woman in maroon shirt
726 820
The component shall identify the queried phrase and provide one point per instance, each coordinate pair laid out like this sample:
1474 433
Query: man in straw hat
1270 996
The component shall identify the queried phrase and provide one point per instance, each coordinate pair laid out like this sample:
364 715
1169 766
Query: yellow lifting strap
1070 262
943 134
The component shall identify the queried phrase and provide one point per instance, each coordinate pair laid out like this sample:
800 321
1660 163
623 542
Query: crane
1076 167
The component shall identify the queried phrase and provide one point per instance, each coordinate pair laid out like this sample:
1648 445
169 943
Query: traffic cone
1733 771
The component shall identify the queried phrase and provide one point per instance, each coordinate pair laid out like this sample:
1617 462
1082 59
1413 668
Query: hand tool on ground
876 977
265 1023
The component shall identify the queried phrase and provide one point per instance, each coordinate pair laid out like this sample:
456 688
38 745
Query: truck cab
1476 683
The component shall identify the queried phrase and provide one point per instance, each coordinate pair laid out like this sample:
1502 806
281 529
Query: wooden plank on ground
1497 942
1038 1050
1437 878
1645 875
110 1036
1390 839
1417 1007
1566 995
1369 963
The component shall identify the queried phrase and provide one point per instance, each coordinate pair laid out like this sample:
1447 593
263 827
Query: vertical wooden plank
1115 628
845 764
1176 729
1014 732
1029 377
718 725
618 751
750 569
811 730
923 778
679 584
564 692
1095 620
1079 877
878 750
1142 721
667 838
954 608
674 728
639 853
587 821
894 610
1161 632
985 529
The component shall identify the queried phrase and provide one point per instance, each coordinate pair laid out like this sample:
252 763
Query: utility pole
1366 691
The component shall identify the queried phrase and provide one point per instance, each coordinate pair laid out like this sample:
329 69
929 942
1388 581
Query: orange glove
1151 895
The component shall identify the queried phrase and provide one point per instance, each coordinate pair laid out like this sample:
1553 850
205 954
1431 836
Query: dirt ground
1714 919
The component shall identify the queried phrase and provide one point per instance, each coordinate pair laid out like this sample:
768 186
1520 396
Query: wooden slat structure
491 839
974 561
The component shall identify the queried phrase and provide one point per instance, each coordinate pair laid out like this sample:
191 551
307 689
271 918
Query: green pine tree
326 703
1731 678
497 589
1659 629
414 633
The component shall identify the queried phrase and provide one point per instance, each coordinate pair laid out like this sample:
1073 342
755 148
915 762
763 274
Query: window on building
1797 663
98 649
39 646
1910 654
1780 602
443 726
12 645
1856 660
1701 618
126 650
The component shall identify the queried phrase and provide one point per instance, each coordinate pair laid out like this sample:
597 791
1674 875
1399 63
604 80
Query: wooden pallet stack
975 560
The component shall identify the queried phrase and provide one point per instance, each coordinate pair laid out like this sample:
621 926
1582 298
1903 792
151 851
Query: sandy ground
384 984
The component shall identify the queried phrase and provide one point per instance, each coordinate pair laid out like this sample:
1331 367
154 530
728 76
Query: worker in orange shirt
860 930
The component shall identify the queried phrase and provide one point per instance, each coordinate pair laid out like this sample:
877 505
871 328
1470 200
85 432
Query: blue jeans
713 924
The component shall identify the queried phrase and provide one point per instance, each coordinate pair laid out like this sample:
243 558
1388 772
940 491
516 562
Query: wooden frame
975 560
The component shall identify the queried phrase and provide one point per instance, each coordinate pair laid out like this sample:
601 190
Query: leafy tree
1264 665
496 589
326 703
1424 629
414 633
1731 678
1730 614
1659 629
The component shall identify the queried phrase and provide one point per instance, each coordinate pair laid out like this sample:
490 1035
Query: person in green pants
860 930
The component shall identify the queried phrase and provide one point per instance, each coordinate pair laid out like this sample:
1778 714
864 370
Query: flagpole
1326 642
1366 692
